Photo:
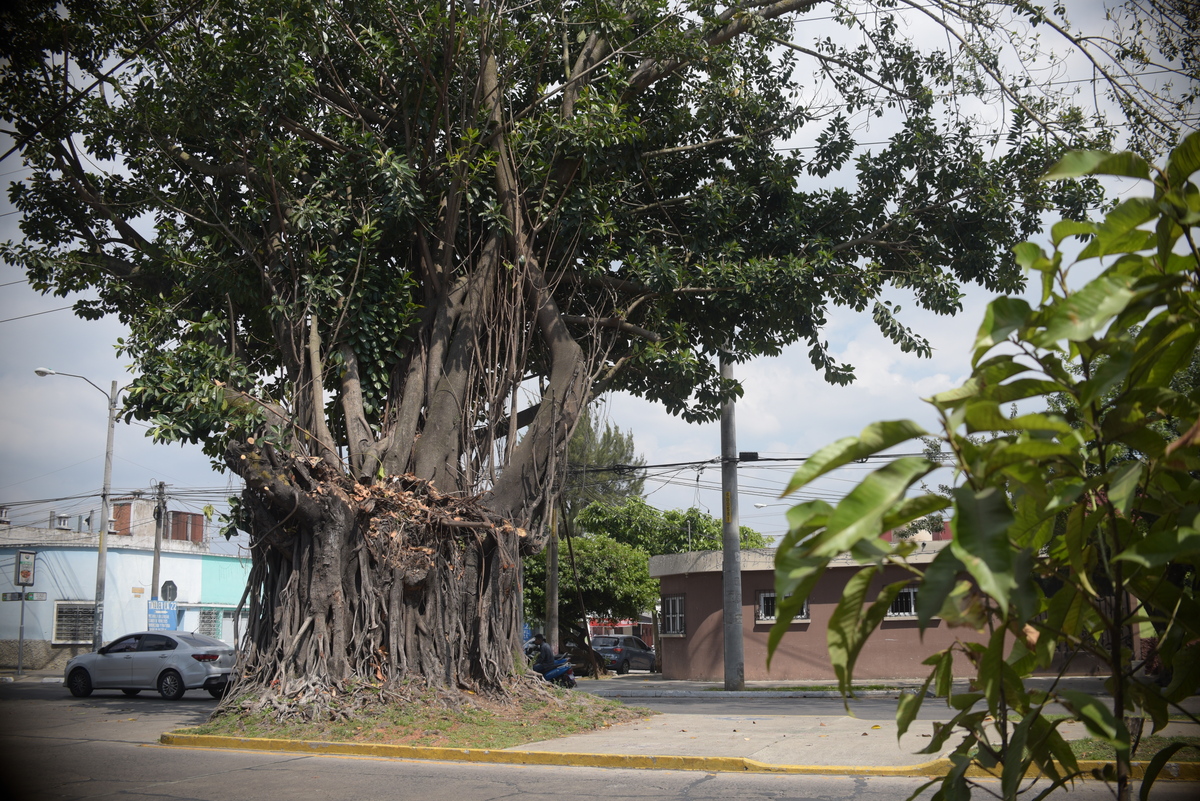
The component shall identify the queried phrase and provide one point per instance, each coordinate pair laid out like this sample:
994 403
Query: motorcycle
562 674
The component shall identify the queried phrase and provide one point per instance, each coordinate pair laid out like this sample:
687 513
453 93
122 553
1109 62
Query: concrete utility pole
160 517
735 669
551 632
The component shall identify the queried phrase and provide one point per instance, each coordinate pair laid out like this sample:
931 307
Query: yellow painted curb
1177 771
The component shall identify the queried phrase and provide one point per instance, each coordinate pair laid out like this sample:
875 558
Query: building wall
895 651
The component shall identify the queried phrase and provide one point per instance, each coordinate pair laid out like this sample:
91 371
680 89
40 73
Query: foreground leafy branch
1072 525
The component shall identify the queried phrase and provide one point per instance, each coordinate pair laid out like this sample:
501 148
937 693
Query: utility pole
160 516
731 570
551 632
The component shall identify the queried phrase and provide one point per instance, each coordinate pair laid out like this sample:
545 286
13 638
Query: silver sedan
168 661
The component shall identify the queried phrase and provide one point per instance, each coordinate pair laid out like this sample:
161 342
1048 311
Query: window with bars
672 615
210 623
73 622
905 604
764 610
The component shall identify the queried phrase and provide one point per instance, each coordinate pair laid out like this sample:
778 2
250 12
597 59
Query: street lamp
102 554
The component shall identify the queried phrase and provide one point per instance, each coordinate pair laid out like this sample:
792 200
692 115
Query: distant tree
613 580
597 443
660 532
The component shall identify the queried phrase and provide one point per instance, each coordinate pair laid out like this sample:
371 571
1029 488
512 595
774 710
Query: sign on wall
161 615
25 564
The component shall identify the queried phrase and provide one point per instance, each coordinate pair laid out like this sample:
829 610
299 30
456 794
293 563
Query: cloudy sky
52 429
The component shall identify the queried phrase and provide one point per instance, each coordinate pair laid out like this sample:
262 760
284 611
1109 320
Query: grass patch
1150 745
477 722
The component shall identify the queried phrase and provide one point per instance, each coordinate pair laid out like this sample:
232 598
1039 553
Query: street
55 746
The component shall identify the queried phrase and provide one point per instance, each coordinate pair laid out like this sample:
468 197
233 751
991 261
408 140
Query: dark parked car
623 652
171 662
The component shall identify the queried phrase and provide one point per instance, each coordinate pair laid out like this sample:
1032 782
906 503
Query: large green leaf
1162 547
860 514
1184 159
940 578
1078 163
1086 311
1004 315
874 438
981 542
986 416
1155 766
1098 718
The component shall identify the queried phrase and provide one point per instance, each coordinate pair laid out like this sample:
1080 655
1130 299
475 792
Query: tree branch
615 323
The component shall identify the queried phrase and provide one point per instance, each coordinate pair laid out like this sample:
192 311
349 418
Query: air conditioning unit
5 520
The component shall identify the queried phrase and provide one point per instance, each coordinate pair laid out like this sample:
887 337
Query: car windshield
604 642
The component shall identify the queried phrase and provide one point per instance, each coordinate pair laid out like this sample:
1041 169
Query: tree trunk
377 585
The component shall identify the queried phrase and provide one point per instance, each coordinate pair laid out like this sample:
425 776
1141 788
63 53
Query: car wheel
217 692
80 683
170 686
623 668
131 693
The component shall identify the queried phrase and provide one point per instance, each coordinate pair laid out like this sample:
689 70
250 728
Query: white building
207 587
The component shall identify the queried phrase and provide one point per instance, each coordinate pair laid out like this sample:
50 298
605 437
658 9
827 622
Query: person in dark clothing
545 658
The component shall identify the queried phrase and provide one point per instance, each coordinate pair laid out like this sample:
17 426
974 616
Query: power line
36 314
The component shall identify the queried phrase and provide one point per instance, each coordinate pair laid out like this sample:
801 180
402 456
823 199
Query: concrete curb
1172 771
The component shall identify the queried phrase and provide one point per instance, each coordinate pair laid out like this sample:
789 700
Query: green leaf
1123 485
981 542
1004 315
940 578
1155 766
1086 311
908 706
1098 718
860 514
986 416
1078 163
1065 228
1161 547
874 438
1184 159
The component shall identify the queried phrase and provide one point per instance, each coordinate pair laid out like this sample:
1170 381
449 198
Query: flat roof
676 564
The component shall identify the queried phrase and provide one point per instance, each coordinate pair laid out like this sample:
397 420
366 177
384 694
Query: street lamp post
105 503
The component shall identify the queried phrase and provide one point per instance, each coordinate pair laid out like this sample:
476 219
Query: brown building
691 641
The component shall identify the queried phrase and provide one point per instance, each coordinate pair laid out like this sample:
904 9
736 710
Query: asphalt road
53 746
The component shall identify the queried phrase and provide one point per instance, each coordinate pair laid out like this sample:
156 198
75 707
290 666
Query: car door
645 658
114 661
150 658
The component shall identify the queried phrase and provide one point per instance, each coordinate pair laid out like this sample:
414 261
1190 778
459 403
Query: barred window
905 604
672 615
764 610
73 622
210 623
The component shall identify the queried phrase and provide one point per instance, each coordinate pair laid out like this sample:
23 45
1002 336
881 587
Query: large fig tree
377 255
